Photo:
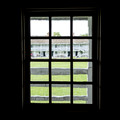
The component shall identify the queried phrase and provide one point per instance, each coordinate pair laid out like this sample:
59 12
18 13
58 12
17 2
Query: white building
60 48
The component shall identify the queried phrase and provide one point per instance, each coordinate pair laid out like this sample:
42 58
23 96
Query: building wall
59 50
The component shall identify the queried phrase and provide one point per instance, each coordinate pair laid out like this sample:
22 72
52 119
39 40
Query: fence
63 71
57 71
61 98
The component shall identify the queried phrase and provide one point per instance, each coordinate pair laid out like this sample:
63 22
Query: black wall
12 40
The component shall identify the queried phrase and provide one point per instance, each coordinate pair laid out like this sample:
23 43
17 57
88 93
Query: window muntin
72 57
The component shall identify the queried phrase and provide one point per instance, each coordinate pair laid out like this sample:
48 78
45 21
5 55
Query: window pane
82 26
39 48
60 48
39 93
60 71
39 26
39 71
60 26
60 93
82 49
82 71
82 94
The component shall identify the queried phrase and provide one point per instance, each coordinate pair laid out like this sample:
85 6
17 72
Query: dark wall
13 37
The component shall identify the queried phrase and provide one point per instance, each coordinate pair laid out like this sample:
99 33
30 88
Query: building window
55 46
66 74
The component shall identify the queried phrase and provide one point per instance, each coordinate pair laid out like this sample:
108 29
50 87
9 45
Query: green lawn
77 102
59 64
58 91
76 77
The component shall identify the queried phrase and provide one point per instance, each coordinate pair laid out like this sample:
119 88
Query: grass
60 77
77 102
42 91
58 91
39 64
39 77
76 77
80 64
59 64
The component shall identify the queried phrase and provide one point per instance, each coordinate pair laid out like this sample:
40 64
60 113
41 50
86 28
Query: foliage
84 34
56 34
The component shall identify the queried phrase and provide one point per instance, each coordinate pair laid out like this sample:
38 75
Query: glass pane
60 49
61 26
82 26
82 49
39 48
82 71
60 71
39 26
60 93
39 93
82 94
39 71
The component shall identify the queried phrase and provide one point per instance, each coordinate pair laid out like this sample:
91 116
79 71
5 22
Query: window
61 59
55 46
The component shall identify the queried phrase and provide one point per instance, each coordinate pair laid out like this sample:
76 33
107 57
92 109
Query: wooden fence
87 98
57 71
63 71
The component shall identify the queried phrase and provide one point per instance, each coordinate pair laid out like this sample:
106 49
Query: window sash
28 59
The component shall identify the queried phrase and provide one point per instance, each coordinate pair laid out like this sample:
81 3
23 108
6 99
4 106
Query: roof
58 41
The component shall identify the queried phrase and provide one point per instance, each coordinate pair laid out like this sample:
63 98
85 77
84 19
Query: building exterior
60 48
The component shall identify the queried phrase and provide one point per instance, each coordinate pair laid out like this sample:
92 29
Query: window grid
71 60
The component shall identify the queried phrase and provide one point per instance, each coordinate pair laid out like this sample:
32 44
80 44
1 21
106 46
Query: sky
41 27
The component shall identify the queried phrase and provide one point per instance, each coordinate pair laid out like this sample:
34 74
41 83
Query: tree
56 34
84 34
